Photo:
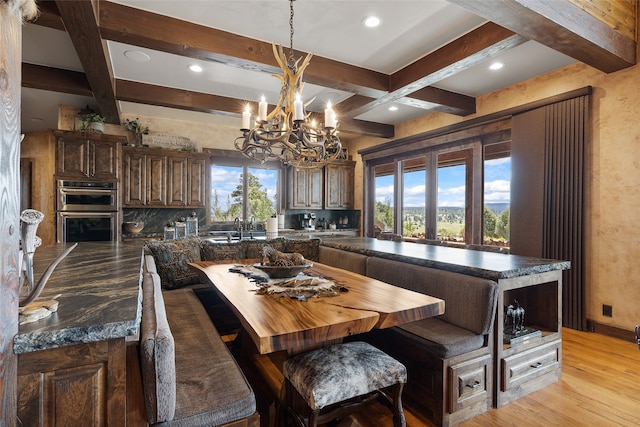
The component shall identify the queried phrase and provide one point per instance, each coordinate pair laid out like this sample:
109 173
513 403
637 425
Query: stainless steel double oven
86 211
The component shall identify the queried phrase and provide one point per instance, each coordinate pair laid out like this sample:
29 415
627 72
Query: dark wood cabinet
338 185
330 187
88 156
154 177
305 188
77 385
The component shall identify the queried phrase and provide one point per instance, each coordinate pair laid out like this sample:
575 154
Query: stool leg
398 412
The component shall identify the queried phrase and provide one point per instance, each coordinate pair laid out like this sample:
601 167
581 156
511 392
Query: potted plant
94 122
137 128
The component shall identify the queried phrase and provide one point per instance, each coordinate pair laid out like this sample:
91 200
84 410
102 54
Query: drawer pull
537 365
474 385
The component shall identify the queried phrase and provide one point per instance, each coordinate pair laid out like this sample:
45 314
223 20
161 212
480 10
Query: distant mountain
497 207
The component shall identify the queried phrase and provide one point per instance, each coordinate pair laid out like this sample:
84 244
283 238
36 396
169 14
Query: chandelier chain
291 58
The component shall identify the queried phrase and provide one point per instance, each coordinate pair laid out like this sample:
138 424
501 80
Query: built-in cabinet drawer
531 364
469 383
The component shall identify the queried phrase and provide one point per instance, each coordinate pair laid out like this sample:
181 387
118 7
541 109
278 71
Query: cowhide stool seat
338 380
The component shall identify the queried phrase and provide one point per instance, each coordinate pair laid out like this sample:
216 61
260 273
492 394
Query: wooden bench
189 376
449 357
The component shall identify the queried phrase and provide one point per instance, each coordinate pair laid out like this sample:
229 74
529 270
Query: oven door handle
85 214
85 191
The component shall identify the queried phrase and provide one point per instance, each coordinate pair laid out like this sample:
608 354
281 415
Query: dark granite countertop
488 265
100 297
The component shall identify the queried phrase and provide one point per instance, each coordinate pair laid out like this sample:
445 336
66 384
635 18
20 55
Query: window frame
468 150
236 159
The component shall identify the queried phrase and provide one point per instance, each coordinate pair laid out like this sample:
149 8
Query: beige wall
613 184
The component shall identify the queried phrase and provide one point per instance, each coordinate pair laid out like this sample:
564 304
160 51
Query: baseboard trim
611 331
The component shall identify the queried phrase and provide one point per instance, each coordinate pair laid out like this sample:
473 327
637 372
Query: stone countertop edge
100 296
494 265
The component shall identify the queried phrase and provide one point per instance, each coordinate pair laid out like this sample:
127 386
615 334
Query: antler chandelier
288 133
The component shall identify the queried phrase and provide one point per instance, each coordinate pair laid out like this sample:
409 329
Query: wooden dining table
283 323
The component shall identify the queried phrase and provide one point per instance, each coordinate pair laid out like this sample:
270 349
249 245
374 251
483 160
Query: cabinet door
339 186
72 158
103 160
134 179
156 180
305 188
314 178
177 181
197 182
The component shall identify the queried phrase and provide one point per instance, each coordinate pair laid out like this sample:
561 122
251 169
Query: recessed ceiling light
393 108
371 21
195 68
136 55
496 66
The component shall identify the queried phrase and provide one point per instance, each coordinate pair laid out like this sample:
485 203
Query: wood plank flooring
600 386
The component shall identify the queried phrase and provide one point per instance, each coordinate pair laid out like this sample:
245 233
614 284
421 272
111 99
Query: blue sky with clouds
225 179
451 185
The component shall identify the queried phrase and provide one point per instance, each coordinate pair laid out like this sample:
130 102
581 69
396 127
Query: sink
231 235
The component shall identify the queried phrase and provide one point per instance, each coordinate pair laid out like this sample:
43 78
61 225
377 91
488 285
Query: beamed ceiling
426 56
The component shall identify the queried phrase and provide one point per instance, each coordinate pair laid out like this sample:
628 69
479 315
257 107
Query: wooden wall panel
621 15
10 59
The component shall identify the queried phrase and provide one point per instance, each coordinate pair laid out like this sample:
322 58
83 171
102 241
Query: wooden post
11 14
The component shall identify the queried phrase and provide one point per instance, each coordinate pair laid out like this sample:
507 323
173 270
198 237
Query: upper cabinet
304 189
90 156
330 187
163 178
338 185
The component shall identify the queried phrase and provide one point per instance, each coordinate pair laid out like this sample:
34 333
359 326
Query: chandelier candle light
287 133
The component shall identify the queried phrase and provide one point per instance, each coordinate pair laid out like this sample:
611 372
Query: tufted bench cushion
210 387
441 338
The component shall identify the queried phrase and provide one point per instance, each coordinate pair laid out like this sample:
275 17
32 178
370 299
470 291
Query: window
496 222
240 191
384 193
413 198
441 193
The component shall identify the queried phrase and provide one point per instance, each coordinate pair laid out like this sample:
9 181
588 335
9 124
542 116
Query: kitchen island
72 364
519 366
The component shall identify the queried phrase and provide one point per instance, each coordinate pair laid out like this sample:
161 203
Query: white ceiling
327 28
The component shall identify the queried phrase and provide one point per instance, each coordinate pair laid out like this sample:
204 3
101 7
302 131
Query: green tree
503 224
384 213
258 203
217 214
489 223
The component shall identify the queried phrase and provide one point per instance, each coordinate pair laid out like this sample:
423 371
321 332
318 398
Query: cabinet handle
537 365
475 384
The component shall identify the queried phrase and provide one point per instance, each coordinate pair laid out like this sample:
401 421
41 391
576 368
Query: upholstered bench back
345 260
470 302
172 257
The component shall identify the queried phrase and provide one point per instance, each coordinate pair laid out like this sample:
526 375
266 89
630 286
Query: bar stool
341 379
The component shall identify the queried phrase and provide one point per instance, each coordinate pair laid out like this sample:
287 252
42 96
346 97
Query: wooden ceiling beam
49 15
80 21
143 93
562 26
461 54
55 80
141 28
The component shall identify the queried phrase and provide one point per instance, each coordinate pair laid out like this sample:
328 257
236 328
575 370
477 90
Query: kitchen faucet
237 224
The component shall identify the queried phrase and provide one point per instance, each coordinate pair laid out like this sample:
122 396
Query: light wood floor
600 386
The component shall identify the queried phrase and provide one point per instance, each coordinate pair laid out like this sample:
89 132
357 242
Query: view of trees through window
453 200
452 193
497 201
233 196
384 194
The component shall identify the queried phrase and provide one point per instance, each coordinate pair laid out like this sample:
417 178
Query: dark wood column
10 59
